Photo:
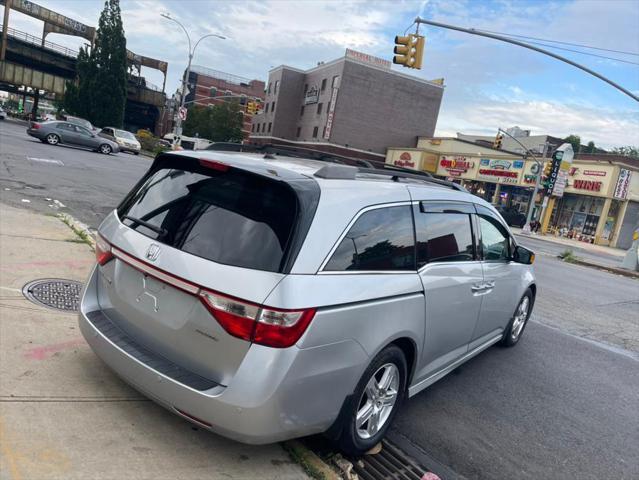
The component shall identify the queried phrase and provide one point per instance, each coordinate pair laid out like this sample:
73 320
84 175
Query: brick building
205 84
355 106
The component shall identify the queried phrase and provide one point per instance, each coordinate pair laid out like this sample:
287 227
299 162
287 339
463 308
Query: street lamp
177 132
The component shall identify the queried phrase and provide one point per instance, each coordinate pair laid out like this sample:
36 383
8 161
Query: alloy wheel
105 149
520 318
377 401
52 139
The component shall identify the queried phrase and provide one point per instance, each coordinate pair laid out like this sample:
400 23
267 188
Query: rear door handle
478 287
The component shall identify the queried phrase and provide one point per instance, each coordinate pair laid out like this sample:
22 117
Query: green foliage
99 94
218 123
575 141
628 151
568 256
590 148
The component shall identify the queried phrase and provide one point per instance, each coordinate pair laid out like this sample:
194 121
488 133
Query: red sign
497 173
405 160
595 173
590 185
456 164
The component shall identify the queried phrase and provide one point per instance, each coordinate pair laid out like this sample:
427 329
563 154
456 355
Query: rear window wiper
159 230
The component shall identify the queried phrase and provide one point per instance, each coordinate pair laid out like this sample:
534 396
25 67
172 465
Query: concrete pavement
64 414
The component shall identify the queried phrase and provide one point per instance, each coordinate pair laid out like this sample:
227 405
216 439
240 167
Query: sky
489 84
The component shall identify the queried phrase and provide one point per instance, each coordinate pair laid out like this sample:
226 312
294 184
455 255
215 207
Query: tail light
103 252
256 323
35 126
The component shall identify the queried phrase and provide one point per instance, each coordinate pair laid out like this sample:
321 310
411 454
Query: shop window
319 108
323 85
315 132
381 239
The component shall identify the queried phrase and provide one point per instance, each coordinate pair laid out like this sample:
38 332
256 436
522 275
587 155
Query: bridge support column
5 29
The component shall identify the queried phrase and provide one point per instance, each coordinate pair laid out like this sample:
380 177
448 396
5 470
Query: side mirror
523 255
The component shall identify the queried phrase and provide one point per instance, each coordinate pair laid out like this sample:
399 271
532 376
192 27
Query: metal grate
55 293
390 463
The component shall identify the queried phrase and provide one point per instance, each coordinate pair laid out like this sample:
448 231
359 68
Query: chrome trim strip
432 264
418 387
155 272
366 272
350 224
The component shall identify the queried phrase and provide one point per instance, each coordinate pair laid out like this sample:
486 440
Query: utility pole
473 31
531 205
177 131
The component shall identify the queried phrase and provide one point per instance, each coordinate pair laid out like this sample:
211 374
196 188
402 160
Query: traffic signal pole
473 31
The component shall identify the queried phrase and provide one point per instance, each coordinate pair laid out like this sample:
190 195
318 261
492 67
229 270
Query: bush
568 256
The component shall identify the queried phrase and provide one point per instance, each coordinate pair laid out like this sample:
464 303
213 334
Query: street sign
182 113
558 177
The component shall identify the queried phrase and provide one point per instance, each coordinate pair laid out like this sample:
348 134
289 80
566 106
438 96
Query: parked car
266 297
58 132
126 140
3 114
512 216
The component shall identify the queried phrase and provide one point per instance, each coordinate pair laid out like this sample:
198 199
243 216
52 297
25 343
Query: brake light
35 126
103 252
263 325
214 165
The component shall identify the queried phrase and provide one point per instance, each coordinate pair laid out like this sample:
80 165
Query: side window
495 241
66 126
380 239
443 237
83 131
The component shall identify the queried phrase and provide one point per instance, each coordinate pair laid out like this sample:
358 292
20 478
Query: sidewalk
63 413
575 244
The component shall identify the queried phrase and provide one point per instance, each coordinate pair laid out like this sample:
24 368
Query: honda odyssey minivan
267 297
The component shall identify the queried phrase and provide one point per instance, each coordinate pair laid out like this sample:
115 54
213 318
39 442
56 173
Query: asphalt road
562 404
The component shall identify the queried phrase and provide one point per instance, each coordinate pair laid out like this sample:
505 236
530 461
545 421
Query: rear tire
105 149
52 139
369 412
517 324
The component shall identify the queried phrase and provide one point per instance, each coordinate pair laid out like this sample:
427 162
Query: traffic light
548 166
409 50
497 143
251 108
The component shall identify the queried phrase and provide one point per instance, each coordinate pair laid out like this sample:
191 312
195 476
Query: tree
575 141
628 151
590 148
218 123
99 94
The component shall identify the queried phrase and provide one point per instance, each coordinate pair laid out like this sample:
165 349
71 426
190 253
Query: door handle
489 285
478 287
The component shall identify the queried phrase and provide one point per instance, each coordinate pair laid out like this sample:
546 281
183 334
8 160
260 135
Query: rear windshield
232 217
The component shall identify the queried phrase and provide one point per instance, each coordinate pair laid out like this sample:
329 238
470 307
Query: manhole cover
54 293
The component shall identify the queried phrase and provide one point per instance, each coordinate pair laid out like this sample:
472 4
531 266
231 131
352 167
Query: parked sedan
126 140
54 133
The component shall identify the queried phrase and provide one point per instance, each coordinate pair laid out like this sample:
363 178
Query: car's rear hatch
191 226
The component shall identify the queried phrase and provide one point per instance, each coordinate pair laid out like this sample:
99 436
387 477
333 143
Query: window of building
264 127
272 107
324 132
269 127
380 239
335 83
277 84
314 132
494 239
242 99
266 109
299 132
228 93
319 108
269 88
253 128
302 111
323 85
258 128
443 237
213 91
305 88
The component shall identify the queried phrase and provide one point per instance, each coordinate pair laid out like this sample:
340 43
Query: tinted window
443 237
231 217
66 126
83 131
381 239
494 239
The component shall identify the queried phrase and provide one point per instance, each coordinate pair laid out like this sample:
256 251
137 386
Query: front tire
105 149
371 409
52 139
515 328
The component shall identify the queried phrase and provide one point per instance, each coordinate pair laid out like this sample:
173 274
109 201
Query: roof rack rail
375 167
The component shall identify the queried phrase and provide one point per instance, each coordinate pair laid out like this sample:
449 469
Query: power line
564 43
584 53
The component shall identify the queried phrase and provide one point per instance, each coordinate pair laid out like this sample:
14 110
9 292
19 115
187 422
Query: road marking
46 160
9 289
59 203
24 200
9 455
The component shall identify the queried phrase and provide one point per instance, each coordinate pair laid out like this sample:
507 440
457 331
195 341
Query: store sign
405 160
501 171
331 114
590 185
311 96
594 173
561 166
366 58
623 184
530 179
456 166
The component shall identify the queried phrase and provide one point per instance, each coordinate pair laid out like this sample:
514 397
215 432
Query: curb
618 271
313 465
80 229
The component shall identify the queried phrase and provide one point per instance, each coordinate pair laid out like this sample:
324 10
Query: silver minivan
267 297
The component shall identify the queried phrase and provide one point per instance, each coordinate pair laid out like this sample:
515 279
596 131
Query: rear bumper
276 394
